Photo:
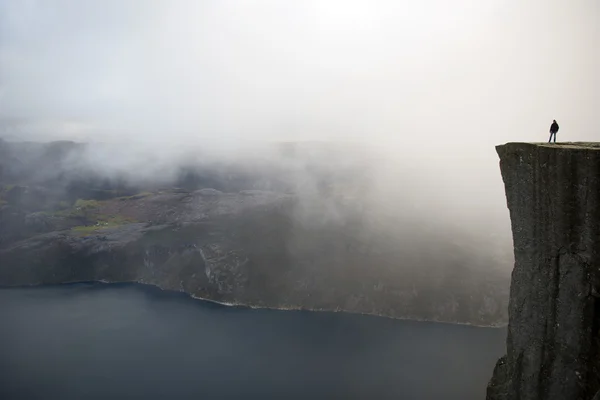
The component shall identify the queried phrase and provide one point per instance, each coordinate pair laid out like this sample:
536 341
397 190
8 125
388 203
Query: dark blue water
133 342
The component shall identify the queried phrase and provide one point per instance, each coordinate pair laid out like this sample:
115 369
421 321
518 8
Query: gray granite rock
553 195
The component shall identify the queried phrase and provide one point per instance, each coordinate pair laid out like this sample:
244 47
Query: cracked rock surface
553 195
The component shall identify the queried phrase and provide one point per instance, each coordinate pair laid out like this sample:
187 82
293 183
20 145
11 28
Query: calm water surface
94 341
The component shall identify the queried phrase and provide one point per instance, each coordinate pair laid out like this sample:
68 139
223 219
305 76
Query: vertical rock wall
553 344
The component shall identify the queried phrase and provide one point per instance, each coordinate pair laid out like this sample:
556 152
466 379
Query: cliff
553 195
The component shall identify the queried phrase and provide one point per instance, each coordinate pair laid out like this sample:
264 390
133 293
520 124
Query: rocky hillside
553 345
240 235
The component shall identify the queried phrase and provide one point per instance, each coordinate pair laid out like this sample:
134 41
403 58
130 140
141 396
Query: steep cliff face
553 194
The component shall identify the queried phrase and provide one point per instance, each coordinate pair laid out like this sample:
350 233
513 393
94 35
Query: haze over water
93 341
437 84
432 85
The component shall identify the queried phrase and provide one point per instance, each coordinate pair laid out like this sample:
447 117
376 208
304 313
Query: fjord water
95 341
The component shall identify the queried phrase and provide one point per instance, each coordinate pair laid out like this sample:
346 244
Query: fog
426 88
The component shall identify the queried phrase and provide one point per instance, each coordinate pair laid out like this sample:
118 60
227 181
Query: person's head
554 121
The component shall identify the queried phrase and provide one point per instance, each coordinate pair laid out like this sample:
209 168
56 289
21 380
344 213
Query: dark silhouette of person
553 130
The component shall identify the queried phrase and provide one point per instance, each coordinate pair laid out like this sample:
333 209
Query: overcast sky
475 72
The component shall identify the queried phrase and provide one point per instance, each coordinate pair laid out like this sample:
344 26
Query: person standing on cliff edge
553 130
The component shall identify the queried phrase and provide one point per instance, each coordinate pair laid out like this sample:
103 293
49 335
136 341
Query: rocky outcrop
553 344
252 248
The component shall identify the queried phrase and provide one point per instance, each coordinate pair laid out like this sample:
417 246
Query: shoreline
248 306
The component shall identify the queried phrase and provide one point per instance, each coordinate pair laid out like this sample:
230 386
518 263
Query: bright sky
477 71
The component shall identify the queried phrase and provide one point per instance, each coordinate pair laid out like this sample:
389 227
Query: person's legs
550 138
